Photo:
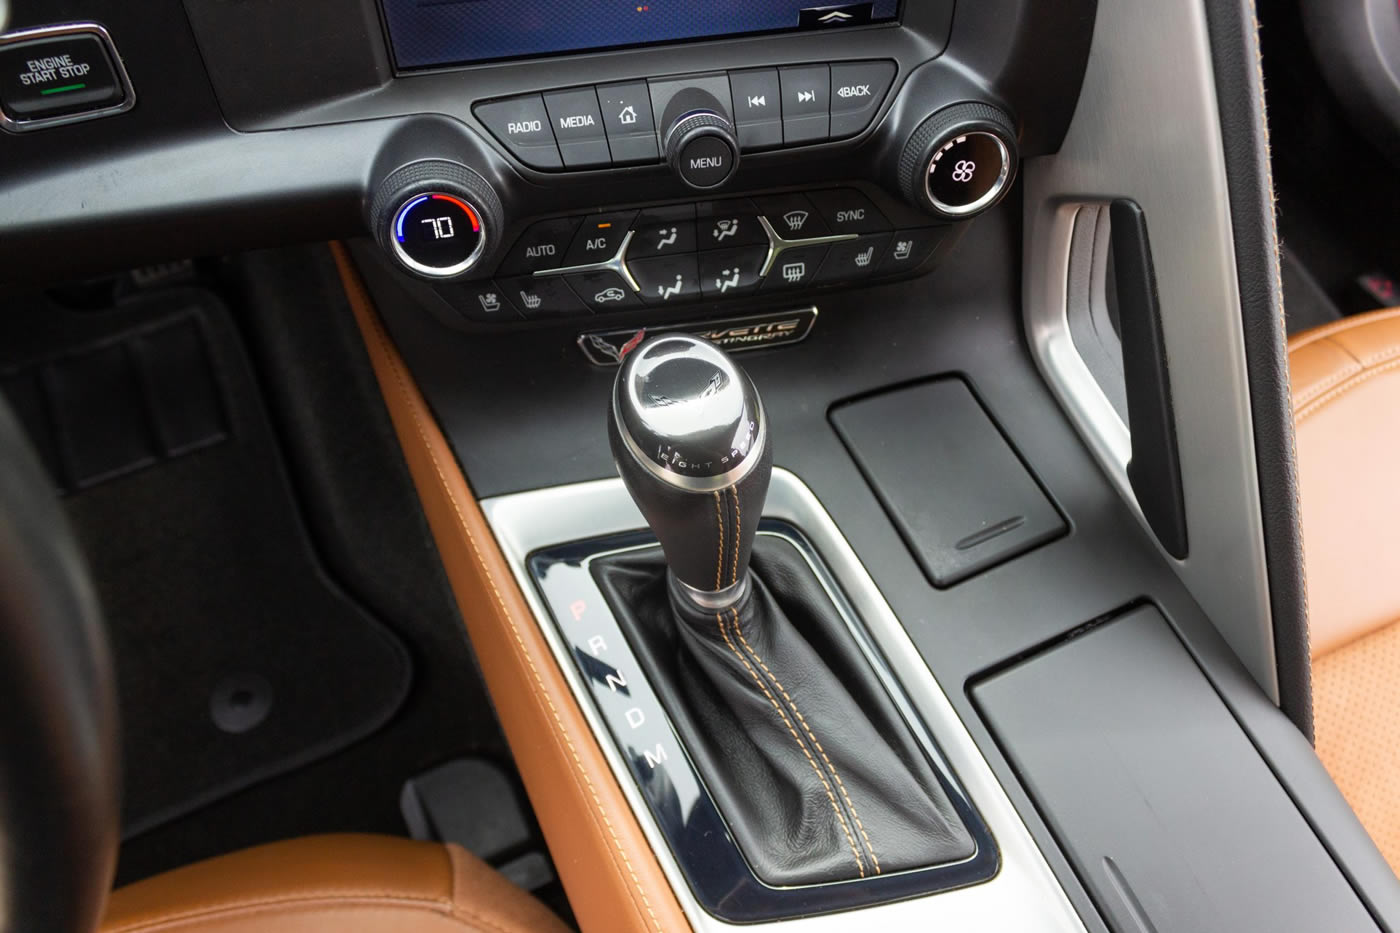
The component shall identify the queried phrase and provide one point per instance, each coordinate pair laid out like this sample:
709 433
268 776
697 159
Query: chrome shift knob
691 441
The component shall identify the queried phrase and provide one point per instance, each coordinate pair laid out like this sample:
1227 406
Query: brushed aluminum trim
1024 895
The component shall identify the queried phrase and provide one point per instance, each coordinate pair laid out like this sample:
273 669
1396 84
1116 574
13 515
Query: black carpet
238 658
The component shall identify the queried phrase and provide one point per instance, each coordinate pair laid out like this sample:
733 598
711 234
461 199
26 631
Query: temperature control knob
960 161
437 219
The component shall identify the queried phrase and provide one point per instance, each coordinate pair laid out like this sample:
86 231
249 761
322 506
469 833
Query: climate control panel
675 254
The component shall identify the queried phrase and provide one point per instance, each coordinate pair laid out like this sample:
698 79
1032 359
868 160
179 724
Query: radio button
806 103
629 123
722 224
794 268
758 108
667 280
542 296
663 231
857 89
603 290
730 273
522 126
578 126
792 217
846 210
852 260
599 238
543 246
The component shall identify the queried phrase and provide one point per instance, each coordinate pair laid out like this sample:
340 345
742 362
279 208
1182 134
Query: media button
857 88
603 291
599 238
758 108
667 280
806 103
730 273
852 260
794 268
846 210
628 119
663 231
722 224
578 126
541 247
522 126
541 296
792 217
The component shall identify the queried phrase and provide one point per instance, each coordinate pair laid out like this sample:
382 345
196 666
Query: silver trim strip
1024 896
1147 127
45 32
777 245
618 264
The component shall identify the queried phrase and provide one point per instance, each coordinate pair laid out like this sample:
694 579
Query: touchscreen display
429 33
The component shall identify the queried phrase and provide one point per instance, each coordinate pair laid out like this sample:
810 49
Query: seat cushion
1346 407
329 884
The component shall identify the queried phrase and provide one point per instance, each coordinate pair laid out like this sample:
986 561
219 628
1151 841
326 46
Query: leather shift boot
807 758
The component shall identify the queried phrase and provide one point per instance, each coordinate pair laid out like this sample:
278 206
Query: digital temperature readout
438 234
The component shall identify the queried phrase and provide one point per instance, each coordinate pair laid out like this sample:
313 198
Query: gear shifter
814 770
691 441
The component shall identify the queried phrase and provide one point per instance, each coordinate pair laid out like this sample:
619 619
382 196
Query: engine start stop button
57 76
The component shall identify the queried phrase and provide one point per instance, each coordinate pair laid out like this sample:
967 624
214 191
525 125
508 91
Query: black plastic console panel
1170 816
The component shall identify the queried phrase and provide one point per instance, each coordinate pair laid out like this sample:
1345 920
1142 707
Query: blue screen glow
430 33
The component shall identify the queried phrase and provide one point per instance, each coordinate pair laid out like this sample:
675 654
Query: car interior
663 465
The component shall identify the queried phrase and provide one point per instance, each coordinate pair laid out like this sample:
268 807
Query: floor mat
238 658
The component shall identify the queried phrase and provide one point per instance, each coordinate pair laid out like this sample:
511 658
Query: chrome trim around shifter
1023 896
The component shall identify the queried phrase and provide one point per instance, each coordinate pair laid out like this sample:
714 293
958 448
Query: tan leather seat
331 884
1346 405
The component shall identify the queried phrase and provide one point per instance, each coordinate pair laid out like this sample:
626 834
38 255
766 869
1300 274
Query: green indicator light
60 90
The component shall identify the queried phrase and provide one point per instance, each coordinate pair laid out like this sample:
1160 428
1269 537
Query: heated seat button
722 224
792 217
542 296
57 76
846 210
599 238
663 231
758 108
853 259
806 103
522 125
857 88
667 280
603 290
543 246
729 273
578 126
909 248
